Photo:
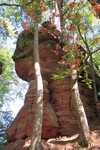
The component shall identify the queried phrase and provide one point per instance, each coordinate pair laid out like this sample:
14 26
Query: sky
15 105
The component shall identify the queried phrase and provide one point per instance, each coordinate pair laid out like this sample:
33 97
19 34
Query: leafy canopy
80 30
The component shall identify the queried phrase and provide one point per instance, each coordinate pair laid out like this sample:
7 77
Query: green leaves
9 81
96 60
61 75
26 38
5 120
86 78
7 72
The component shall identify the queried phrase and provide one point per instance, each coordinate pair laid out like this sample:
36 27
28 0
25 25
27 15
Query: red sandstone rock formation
59 114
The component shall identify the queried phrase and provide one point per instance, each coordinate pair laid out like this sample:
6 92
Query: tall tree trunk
88 52
84 131
36 138
94 84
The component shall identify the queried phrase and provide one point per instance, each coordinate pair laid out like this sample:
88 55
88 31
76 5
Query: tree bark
94 85
90 61
84 131
36 138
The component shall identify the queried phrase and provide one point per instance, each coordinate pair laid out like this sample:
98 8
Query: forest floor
70 143
62 143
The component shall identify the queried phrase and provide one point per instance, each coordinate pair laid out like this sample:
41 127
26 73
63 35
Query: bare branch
80 33
98 49
84 40
6 4
29 2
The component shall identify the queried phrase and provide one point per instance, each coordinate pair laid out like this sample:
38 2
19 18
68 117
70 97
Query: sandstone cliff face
59 116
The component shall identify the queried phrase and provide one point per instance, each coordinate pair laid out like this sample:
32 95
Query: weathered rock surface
22 126
59 117
61 143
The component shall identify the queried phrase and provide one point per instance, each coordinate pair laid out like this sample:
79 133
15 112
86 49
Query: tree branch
6 4
81 68
29 2
16 5
98 49
80 33
84 40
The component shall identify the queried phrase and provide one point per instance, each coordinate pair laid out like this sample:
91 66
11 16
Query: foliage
3 28
11 17
8 79
8 14
79 26
96 59
25 38
76 15
78 19
5 120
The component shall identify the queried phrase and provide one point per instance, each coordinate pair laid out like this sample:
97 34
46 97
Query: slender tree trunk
94 85
88 52
84 131
36 138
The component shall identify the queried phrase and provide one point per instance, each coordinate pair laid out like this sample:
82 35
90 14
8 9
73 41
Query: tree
89 53
33 8
36 137
33 11
8 91
9 81
71 14
5 120
8 78
84 131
